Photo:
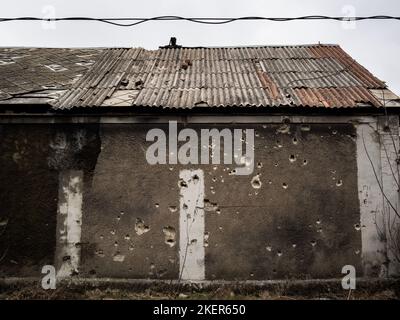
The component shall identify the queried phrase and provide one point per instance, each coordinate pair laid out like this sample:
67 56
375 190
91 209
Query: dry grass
218 294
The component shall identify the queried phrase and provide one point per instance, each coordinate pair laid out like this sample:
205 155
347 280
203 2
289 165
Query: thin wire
201 20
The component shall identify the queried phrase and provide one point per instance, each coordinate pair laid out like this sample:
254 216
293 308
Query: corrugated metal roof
28 71
314 76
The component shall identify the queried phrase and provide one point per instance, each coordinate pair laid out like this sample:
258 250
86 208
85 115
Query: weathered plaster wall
28 200
97 208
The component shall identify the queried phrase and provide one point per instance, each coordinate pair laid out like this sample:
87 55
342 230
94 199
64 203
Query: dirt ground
218 294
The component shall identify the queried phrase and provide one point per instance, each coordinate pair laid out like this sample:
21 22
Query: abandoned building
78 193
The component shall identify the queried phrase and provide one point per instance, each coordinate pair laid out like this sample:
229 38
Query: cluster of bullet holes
170 235
140 227
210 206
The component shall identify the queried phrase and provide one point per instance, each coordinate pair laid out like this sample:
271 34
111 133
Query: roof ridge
184 47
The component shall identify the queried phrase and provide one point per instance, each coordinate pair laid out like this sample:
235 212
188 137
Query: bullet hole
318 221
251 274
215 168
140 227
357 227
357 252
278 144
276 164
170 234
256 133
218 211
214 179
92 272
305 127
270 182
232 172
334 132
195 178
184 207
131 248
339 183
256 182
294 245
285 128
305 162
173 208
206 237
285 186
274 271
101 237
182 183
127 237
269 248
279 253
259 165
292 158
171 168
319 230
118 257
313 243
116 244
157 205
112 232
193 242
3 222
212 190
295 141
220 228
264 126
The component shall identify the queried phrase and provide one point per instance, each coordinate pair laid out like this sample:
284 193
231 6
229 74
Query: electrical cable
202 20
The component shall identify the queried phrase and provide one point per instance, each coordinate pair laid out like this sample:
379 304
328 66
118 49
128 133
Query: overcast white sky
375 44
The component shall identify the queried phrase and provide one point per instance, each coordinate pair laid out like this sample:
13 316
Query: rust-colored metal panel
302 76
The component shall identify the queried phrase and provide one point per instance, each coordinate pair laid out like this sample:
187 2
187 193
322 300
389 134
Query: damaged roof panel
24 71
302 76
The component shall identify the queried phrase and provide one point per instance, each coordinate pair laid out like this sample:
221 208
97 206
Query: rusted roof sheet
302 76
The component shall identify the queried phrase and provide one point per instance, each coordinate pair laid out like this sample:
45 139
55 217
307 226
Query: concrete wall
83 198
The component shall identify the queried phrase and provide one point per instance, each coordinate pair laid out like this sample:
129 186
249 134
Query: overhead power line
130 22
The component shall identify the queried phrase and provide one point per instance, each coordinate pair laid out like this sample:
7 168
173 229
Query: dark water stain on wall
28 200
31 157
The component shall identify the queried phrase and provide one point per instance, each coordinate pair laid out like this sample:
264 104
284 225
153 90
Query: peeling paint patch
191 225
70 217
